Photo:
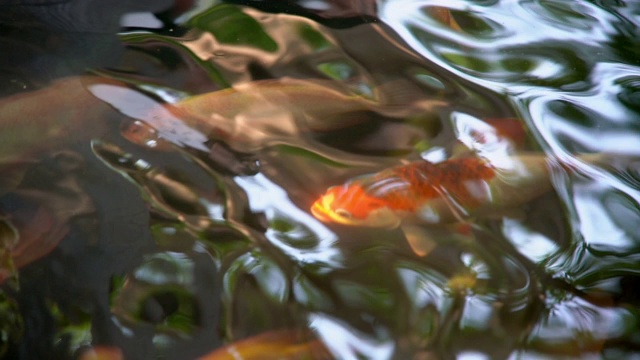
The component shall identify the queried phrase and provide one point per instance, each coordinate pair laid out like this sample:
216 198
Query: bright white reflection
483 139
215 211
535 246
315 5
477 314
602 101
423 32
524 355
140 19
167 94
621 141
197 8
346 343
424 288
470 355
434 155
267 197
577 318
139 106
546 69
596 224
125 330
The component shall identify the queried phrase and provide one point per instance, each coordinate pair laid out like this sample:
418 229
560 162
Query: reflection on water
158 205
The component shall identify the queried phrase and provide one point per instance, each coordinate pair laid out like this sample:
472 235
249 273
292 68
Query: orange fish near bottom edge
444 192
276 345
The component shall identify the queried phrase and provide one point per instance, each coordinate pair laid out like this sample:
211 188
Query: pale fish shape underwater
251 115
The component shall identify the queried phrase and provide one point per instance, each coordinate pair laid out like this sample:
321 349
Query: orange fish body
437 193
276 345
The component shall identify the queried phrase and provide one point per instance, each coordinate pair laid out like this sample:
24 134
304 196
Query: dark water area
160 161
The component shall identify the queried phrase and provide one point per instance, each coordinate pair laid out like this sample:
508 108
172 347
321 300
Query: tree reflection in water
147 212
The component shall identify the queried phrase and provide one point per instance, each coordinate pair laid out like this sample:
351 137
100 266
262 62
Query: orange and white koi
445 192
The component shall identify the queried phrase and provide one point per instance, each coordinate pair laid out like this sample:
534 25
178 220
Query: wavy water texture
563 66
159 206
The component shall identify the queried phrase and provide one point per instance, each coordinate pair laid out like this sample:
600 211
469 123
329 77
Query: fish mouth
320 211
323 211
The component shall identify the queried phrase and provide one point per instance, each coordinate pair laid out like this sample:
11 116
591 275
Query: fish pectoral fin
424 239
392 226
419 240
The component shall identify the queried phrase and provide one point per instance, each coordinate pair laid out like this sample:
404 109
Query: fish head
350 204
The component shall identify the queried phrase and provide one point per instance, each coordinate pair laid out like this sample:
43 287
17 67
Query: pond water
145 212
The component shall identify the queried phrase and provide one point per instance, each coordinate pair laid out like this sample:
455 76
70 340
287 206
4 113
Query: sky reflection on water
228 256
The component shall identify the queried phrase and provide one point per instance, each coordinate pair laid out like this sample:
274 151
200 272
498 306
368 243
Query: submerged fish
36 122
277 344
446 192
253 114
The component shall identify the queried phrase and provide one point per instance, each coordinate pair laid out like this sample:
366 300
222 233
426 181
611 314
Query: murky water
147 213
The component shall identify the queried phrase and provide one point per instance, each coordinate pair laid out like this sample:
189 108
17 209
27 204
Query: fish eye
343 213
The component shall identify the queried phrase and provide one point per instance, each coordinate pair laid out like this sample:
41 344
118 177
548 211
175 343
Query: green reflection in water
337 70
160 292
140 40
11 323
232 26
313 37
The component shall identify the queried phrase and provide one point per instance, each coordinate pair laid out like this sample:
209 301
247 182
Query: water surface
147 232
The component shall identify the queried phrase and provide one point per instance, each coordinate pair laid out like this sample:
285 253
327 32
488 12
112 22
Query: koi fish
488 175
102 352
254 113
63 113
34 220
445 192
279 344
